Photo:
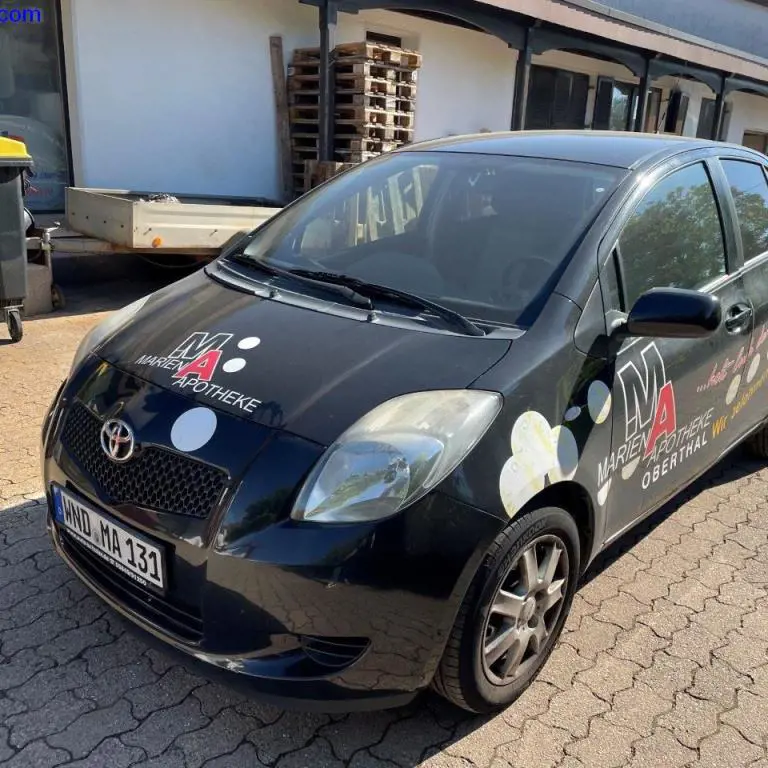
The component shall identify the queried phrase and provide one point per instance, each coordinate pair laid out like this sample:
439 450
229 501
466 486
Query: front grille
179 620
154 478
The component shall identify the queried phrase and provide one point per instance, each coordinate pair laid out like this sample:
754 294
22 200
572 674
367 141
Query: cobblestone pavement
664 661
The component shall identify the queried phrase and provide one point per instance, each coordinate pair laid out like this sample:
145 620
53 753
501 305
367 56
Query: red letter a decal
665 420
203 367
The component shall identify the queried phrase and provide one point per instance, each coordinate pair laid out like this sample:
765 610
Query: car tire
469 675
757 444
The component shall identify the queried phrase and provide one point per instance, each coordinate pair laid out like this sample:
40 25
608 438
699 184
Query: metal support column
643 92
717 121
328 19
522 81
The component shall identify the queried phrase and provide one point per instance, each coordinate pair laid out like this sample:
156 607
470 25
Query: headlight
106 328
395 454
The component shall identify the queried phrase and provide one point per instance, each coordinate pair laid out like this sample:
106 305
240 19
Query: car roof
618 149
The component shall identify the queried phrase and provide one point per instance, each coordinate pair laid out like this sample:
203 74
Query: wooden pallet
352 156
352 114
377 52
390 103
307 144
373 131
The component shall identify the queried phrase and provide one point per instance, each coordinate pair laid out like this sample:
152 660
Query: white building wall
747 113
176 95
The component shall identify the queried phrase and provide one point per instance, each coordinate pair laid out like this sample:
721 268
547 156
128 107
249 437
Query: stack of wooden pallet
374 104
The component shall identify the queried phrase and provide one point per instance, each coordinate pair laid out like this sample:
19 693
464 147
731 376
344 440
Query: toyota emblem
117 440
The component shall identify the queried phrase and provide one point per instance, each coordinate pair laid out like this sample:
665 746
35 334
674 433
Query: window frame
746 263
609 268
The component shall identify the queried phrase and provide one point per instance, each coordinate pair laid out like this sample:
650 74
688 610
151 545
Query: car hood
311 372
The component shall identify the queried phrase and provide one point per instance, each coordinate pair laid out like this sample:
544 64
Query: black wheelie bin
14 160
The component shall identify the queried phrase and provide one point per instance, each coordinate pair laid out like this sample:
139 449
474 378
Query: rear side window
674 238
750 194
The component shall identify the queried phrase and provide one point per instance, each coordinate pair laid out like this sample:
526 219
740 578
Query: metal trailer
154 226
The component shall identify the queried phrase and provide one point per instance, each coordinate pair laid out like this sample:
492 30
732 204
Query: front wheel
513 613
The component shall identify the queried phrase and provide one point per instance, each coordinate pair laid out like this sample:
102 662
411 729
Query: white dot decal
234 365
572 413
629 469
753 366
193 429
602 494
249 343
730 395
599 401
567 453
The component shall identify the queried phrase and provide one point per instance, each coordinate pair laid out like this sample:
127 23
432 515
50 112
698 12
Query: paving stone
126 649
534 701
87 731
622 610
711 574
476 740
173 758
37 755
600 589
160 729
56 715
221 736
625 568
668 674
214 697
711 530
592 637
649 549
731 553
406 740
665 618
607 746
749 537
50 682
71 643
695 549
112 685
671 566
647 587
755 624
35 635
111 753
661 750
579 609
22 667
266 714
718 682
292 731
14 593
694 643
741 594
691 720
718 618
691 594
318 754
540 745
172 688
743 653
609 676
365 759
727 747
356 732
638 645
637 708
562 665
750 717
572 710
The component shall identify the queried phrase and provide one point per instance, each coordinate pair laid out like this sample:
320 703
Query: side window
750 194
391 207
674 237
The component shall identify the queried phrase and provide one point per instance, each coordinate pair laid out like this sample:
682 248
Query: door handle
737 317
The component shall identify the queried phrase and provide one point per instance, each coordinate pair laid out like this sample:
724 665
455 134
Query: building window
557 99
616 106
32 100
382 39
755 140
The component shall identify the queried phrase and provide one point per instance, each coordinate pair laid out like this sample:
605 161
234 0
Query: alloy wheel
525 610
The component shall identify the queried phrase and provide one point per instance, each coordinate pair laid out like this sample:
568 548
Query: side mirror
674 313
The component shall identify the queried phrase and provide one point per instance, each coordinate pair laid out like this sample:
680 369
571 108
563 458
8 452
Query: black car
373 446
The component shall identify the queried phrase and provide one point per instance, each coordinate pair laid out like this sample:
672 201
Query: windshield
484 235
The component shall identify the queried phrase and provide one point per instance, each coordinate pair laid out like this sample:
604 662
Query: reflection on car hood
311 372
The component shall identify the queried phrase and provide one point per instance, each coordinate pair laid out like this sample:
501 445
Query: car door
670 394
748 187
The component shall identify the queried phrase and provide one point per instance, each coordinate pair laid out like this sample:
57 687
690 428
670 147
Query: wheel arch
574 499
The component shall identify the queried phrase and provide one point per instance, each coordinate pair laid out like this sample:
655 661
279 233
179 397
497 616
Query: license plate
130 553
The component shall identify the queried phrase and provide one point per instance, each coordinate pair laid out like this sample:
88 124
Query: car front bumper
306 616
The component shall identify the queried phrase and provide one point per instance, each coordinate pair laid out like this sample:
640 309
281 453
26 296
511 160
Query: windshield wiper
346 291
366 289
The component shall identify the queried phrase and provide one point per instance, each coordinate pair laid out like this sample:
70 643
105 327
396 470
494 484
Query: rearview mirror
674 313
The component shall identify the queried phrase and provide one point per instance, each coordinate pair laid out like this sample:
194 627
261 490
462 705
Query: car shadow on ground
426 727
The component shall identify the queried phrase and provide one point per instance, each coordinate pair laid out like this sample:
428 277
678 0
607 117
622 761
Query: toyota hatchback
374 445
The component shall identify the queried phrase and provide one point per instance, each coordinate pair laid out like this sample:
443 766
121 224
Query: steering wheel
513 288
